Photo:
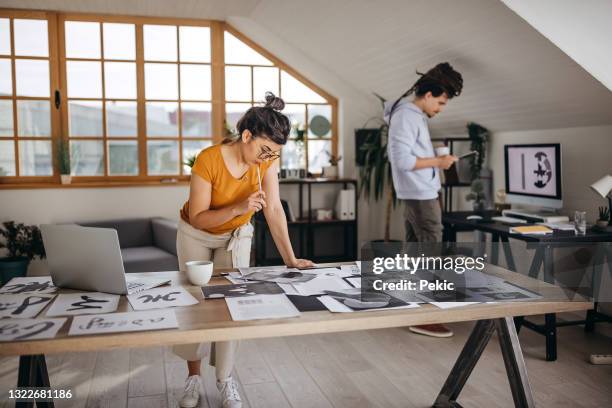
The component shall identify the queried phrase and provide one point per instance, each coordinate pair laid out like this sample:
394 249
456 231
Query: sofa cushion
148 259
164 234
132 232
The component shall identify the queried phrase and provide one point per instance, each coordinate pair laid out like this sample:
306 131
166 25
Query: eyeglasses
267 154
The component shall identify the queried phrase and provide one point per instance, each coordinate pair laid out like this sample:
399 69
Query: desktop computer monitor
533 174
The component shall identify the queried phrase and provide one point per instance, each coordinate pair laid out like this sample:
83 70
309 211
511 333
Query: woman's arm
277 221
200 214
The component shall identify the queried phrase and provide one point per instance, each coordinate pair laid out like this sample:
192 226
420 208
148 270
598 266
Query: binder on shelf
345 205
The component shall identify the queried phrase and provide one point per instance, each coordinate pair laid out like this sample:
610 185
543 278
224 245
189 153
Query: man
414 165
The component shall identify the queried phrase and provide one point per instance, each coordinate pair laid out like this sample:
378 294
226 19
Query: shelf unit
305 232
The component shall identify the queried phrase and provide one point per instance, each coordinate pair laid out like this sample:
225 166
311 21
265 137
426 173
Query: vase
13 268
65 178
330 172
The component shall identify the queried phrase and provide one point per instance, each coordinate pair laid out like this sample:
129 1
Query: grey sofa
147 244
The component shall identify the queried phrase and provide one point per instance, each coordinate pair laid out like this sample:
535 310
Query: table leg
550 325
33 373
536 263
495 249
508 253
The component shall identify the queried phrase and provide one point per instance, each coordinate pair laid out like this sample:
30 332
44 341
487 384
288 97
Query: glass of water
580 222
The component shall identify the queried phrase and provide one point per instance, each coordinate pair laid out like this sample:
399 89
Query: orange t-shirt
226 189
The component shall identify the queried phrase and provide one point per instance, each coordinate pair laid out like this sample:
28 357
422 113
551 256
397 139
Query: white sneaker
229 393
191 395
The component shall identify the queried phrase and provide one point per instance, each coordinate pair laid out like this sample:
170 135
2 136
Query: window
136 97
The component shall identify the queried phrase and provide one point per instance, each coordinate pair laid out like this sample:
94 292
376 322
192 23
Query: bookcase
320 241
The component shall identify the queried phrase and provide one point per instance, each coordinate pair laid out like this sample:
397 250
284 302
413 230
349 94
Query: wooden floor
382 368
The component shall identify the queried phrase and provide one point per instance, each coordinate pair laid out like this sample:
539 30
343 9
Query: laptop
88 258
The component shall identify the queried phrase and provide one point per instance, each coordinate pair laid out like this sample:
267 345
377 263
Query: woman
214 224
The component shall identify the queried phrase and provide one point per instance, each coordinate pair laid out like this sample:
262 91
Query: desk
210 321
543 259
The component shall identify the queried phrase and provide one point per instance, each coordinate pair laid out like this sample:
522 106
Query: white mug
199 272
442 151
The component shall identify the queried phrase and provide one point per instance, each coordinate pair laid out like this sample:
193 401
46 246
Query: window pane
84 79
163 157
121 119
192 148
234 111
237 52
238 84
86 158
120 80
35 158
162 119
31 38
194 44
6 118
5 36
161 81
318 155
82 39
319 121
123 158
264 80
159 43
6 77
7 158
195 82
297 117
119 41
291 155
85 118
196 119
32 77
33 118
293 90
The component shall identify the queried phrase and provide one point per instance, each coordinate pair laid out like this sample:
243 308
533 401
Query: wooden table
210 321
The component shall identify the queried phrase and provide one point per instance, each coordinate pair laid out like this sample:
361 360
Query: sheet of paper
29 329
68 304
23 306
236 278
253 269
261 307
242 289
451 305
343 272
159 298
123 322
320 284
333 305
351 269
32 284
356 282
289 289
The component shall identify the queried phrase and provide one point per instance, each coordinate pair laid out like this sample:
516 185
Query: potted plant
331 171
604 217
476 194
23 243
190 161
479 136
63 160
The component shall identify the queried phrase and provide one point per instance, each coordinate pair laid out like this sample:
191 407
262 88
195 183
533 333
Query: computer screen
533 172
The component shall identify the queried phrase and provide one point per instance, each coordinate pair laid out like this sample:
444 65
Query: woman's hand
255 202
300 263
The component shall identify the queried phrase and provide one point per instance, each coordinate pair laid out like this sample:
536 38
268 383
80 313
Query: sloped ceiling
515 79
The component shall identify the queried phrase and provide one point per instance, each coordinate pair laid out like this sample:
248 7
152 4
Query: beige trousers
232 249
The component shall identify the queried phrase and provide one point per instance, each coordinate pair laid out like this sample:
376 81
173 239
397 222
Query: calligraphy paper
29 329
161 297
83 303
32 284
123 322
23 306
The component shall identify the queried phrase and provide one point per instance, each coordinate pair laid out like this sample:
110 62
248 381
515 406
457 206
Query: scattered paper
342 272
243 289
356 282
352 269
159 298
123 322
261 307
32 284
451 305
289 289
355 300
23 306
83 303
29 329
253 269
320 284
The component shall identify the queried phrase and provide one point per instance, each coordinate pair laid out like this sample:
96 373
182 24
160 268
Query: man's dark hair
265 120
439 80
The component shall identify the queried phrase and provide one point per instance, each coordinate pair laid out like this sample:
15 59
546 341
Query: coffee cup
199 272
442 151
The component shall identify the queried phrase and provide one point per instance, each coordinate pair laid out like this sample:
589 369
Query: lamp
603 187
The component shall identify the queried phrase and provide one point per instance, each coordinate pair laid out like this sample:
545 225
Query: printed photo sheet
29 329
23 306
32 284
68 304
243 289
123 322
261 307
159 298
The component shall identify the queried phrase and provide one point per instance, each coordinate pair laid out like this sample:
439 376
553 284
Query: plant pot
602 224
330 172
13 268
65 178
478 206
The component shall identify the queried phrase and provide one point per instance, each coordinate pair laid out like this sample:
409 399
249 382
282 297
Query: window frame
60 117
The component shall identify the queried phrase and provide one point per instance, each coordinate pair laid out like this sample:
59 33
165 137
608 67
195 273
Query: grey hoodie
408 139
